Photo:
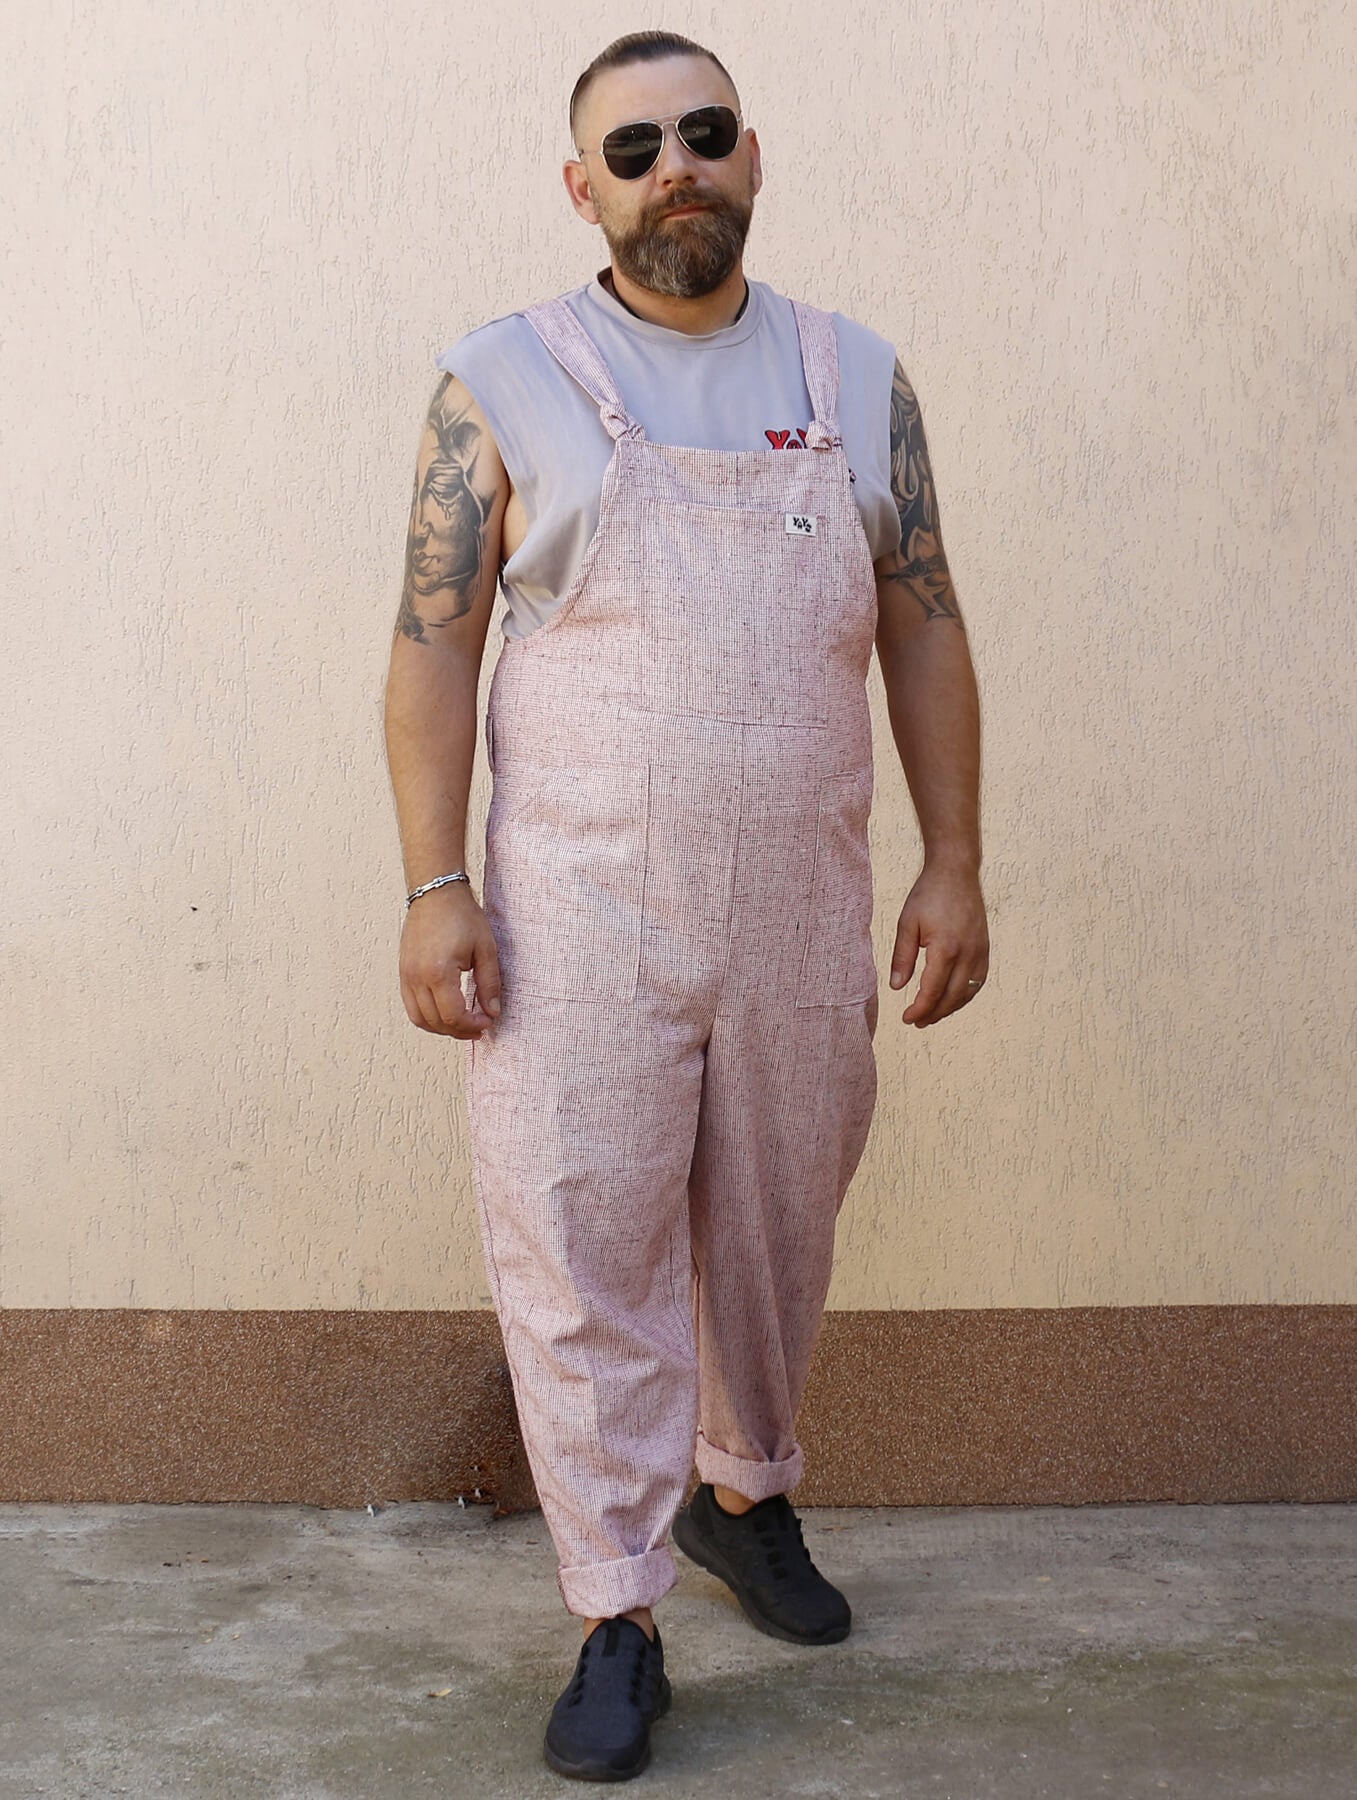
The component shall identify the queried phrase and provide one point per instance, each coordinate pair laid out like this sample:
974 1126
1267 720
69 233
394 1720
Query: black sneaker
762 1556
599 1729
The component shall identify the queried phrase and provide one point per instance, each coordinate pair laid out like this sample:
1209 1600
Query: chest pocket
733 609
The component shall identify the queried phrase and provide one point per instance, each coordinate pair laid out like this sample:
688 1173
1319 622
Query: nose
676 162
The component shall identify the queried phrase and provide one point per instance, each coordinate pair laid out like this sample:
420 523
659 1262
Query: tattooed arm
452 559
919 567
935 719
458 477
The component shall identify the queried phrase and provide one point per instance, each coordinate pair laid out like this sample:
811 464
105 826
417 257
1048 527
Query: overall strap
820 360
578 355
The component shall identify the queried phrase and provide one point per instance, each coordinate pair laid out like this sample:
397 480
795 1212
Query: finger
475 1007
451 1006
958 991
938 966
906 953
976 980
486 966
976 976
411 1005
426 1014
418 1004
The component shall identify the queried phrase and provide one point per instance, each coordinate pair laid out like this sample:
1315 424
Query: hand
444 935
943 915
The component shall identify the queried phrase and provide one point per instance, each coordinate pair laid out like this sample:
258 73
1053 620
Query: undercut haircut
637 46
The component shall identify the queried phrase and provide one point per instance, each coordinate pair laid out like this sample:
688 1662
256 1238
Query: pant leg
787 1101
582 1120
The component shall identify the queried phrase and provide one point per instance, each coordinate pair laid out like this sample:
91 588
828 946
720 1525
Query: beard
686 257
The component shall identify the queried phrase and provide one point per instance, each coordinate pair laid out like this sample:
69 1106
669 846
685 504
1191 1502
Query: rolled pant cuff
601 1590
755 1480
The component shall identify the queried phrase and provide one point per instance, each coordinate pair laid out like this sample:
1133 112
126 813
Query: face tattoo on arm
922 569
444 549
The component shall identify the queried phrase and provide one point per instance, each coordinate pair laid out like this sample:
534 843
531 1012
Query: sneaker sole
593 1771
693 1546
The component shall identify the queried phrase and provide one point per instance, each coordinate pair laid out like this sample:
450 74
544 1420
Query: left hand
944 915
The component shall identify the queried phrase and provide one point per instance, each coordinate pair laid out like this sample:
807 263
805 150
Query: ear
577 186
756 158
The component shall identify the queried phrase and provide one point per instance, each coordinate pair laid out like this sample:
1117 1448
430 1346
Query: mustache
708 203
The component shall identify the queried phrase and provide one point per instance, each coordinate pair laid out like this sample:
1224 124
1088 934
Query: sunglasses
711 132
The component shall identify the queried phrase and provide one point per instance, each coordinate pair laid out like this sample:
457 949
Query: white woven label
801 524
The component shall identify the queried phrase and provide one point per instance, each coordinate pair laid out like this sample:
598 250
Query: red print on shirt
783 440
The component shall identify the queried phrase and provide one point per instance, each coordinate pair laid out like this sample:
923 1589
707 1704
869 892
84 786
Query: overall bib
667 1113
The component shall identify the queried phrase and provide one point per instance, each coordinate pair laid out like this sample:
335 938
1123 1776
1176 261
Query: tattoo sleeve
920 564
445 549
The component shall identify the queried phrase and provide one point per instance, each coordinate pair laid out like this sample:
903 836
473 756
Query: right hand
445 934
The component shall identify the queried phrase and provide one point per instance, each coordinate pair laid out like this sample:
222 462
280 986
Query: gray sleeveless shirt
740 388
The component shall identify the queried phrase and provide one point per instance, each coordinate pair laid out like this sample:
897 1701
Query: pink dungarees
667 1114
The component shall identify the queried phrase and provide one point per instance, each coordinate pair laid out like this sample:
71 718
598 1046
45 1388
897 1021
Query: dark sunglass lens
632 149
710 131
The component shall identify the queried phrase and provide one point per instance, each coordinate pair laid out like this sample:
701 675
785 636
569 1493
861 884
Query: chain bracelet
438 882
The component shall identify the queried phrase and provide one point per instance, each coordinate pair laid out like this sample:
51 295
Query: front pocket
565 877
839 965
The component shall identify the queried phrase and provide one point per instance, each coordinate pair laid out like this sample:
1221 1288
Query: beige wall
1113 246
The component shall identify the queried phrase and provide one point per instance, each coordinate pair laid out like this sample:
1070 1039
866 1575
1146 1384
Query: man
706 504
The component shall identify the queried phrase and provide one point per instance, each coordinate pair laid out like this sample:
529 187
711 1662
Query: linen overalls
668 1111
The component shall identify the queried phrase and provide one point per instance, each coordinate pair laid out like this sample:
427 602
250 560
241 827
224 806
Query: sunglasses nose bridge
673 153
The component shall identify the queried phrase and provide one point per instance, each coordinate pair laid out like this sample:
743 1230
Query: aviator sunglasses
711 132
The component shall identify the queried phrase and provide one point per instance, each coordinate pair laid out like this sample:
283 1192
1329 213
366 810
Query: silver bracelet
437 882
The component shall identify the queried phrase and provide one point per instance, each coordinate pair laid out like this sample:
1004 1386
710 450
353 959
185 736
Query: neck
708 312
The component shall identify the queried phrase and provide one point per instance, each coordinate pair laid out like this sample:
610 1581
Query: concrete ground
1198 1653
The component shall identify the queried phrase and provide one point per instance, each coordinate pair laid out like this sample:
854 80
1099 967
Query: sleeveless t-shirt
740 388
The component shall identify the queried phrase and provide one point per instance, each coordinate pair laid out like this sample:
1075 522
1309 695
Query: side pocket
839 966
568 851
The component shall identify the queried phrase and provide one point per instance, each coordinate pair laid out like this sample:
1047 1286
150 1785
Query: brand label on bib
801 524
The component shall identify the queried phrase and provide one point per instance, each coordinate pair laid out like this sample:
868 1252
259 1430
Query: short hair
637 46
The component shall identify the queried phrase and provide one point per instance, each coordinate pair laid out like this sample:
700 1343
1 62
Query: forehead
644 90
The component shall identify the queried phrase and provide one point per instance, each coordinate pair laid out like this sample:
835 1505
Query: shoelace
779 1534
643 1665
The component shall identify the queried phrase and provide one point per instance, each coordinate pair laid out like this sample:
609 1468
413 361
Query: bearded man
705 504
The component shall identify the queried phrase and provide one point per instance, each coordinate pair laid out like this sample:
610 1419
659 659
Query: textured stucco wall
1113 245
